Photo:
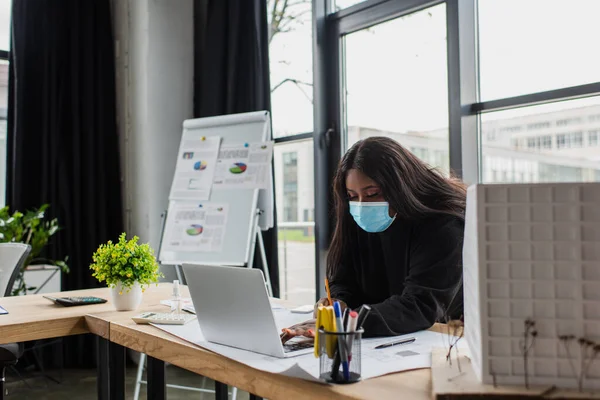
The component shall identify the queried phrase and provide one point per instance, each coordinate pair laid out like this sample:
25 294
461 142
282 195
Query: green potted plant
128 268
31 228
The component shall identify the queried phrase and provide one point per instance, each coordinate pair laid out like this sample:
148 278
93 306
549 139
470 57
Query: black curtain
63 147
231 73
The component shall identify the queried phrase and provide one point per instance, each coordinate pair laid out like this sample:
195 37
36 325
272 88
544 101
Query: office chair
12 259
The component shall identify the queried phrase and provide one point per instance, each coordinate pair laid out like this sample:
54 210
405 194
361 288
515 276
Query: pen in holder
339 356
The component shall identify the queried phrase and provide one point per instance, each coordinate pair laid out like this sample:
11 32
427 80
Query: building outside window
562 154
295 196
593 137
577 139
546 142
562 140
539 143
568 121
571 159
538 125
510 129
290 186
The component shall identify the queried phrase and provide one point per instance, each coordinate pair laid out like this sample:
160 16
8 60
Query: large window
290 53
552 153
402 94
294 191
499 91
5 7
537 45
521 139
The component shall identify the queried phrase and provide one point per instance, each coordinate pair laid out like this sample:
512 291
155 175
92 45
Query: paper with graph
195 168
244 166
195 227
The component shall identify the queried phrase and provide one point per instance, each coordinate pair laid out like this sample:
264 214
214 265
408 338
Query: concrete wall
154 63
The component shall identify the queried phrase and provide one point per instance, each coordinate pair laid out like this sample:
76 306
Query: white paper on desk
304 367
244 166
374 362
195 168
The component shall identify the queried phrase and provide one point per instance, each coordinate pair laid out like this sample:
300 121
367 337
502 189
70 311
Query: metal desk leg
221 391
255 397
102 368
116 371
157 388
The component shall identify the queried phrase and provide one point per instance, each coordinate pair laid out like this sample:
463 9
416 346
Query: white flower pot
126 300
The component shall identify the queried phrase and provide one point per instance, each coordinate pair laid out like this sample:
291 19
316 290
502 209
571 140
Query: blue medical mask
372 217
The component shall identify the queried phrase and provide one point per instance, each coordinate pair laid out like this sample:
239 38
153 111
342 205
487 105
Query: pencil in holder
339 356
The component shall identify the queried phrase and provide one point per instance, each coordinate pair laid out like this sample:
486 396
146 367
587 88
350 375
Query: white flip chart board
241 204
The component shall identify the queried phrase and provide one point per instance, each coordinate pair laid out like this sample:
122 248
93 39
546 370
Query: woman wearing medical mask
398 238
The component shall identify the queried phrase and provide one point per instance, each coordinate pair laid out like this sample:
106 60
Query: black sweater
410 274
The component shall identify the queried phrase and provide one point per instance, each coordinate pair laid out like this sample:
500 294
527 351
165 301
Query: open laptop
233 309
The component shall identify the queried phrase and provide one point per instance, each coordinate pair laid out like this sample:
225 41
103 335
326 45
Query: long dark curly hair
413 189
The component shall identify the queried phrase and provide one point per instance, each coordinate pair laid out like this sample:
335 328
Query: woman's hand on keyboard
306 328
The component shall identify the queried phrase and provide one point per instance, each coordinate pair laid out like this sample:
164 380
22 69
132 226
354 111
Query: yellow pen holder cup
332 356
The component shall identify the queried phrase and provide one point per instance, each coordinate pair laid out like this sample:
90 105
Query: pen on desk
328 292
362 315
329 325
341 342
352 324
397 342
318 325
345 318
337 359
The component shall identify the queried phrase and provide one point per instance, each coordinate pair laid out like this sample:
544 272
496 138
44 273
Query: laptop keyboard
295 346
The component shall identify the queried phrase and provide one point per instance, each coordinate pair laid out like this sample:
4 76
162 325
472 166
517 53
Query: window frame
330 138
464 105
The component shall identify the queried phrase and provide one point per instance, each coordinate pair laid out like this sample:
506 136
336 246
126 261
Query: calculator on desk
76 300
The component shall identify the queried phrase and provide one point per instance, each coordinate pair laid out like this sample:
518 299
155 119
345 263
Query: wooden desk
33 317
163 346
159 345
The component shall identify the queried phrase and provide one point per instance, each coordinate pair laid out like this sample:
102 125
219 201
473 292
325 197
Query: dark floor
81 385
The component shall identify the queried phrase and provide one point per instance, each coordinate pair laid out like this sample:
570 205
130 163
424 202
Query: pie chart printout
194 230
200 165
238 168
